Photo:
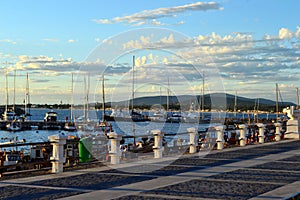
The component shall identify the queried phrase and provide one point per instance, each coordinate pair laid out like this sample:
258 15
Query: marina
150 100
139 140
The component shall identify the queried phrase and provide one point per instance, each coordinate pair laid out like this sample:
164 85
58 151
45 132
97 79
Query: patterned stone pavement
261 171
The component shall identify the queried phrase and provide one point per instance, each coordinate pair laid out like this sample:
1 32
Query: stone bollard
157 148
278 133
243 129
261 131
114 152
58 157
193 142
220 137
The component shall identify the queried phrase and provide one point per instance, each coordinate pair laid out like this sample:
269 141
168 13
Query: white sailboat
103 125
83 122
27 100
70 125
9 114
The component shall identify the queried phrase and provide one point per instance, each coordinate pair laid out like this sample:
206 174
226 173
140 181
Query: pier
39 125
259 171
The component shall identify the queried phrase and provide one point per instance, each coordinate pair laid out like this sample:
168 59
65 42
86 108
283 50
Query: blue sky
252 44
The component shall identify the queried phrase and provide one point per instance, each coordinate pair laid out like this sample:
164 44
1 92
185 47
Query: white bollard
261 131
278 133
58 157
114 152
220 137
243 129
193 142
157 148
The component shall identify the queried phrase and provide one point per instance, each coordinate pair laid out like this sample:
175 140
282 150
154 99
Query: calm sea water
124 128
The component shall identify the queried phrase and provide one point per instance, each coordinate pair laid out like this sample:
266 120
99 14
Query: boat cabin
50 116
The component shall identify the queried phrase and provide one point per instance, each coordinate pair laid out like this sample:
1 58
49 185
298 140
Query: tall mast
27 97
6 88
297 93
133 125
235 104
277 102
168 94
103 98
71 112
133 65
14 100
85 98
202 100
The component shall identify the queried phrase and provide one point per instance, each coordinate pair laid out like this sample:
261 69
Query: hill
218 100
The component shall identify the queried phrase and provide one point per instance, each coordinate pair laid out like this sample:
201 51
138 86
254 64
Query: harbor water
120 127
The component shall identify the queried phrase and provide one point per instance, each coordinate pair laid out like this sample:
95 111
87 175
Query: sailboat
9 114
172 117
83 122
203 119
70 126
27 100
135 116
103 124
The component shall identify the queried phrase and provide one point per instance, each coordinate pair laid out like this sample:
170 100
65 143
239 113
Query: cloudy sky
243 46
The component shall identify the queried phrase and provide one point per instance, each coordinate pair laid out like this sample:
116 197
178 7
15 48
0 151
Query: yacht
50 116
9 115
14 126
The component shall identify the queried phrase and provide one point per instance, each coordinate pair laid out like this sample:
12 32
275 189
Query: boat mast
6 88
203 91
27 97
277 102
133 125
202 97
103 98
235 104
297 93
85 98
14 101
133 65
168 95
71 112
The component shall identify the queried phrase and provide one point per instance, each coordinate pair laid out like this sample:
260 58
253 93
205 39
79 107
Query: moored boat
14 126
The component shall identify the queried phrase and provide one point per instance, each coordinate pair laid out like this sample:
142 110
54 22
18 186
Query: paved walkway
261 171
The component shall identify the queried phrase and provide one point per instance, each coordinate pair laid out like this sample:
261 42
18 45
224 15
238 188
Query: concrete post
58 157
114 152
261 131
193 142
278 133
157 148
220 137
243 129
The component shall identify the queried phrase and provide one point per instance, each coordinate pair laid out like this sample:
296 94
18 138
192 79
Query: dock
39 125
264 171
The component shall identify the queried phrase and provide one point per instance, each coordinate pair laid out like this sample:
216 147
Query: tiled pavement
261 171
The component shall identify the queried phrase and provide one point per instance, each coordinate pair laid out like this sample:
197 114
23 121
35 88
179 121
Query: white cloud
239 57
50 39
284 33
8 41
151 16
297 34
72 41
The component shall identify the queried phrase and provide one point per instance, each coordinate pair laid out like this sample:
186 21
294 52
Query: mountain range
220 101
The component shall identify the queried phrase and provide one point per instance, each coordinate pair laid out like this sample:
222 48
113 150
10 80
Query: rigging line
281 103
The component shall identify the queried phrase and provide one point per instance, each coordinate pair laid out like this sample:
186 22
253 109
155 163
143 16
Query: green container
85 149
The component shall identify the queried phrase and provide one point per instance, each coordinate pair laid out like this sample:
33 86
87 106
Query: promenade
260 171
